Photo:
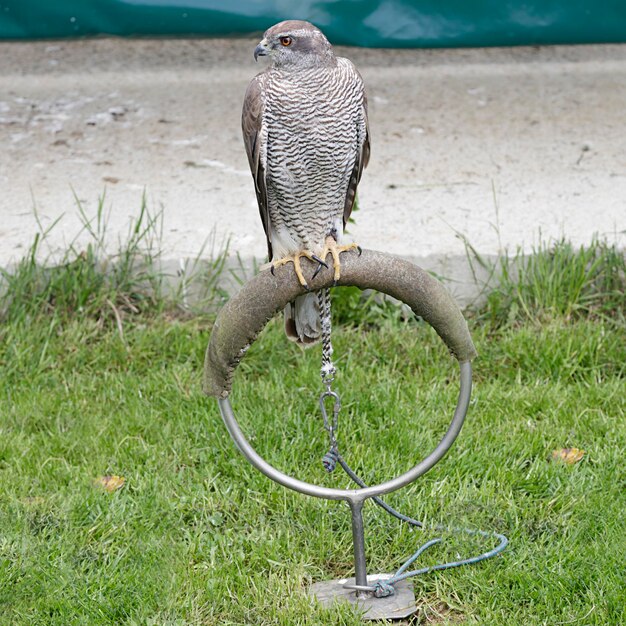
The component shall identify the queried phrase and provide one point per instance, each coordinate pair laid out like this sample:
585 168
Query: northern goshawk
306 135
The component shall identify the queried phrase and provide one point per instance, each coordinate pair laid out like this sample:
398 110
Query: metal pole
358 541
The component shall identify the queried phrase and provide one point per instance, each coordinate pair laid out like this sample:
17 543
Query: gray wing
252 127
362 159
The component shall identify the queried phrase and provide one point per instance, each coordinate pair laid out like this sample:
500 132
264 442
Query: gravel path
502 145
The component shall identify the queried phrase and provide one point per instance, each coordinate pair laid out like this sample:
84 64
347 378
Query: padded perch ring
246 314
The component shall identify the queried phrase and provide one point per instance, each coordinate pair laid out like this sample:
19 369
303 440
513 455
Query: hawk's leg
295 259
335 250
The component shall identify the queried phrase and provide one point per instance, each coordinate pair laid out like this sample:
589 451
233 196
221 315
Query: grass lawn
197 536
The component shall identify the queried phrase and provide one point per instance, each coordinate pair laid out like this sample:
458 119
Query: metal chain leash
328 371
382 588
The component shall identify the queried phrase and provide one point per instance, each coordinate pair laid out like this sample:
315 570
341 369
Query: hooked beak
261 50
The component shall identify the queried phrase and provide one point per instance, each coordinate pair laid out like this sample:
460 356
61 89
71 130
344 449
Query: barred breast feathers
307 142
316 130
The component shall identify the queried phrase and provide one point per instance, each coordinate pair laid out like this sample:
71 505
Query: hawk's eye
286 41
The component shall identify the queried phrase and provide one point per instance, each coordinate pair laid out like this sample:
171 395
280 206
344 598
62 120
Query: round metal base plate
397 606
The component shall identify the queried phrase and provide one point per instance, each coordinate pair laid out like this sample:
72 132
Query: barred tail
302 320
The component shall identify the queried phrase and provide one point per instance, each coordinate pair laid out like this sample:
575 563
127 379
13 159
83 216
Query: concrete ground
505 146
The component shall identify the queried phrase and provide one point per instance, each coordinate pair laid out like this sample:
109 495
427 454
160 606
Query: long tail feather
302 320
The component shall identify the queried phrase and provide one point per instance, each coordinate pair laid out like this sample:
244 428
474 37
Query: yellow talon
295 259
335 250
330 247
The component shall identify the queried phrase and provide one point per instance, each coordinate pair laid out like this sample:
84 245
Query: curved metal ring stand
247 313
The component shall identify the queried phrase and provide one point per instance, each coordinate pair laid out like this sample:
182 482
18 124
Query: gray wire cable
383 588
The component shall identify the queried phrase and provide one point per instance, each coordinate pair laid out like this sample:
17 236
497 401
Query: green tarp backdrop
375 23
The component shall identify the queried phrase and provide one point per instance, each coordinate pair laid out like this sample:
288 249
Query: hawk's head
294 44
